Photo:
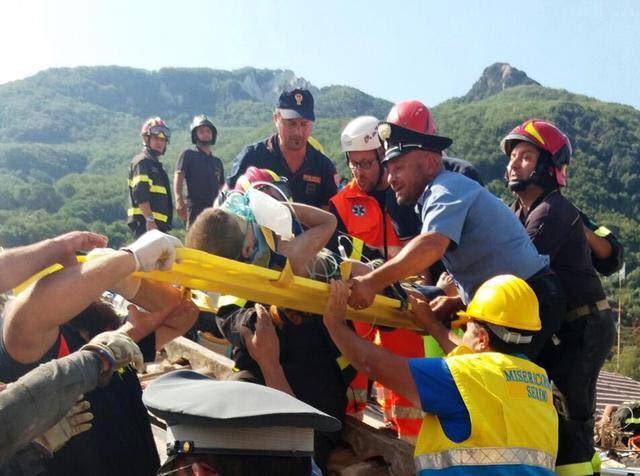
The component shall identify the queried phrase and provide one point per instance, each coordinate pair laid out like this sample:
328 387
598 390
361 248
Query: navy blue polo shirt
312 184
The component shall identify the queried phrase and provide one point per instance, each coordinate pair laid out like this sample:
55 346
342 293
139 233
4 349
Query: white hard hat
360 134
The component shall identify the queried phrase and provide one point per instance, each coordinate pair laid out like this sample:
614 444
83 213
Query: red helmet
412 115
547 137
155 127
254 176
410 126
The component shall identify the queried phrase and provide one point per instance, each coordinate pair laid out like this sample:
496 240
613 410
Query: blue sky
393 49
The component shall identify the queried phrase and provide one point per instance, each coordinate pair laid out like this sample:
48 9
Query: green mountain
67 135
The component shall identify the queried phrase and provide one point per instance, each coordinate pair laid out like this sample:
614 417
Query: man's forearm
145 208
416 256
28 409
376 362
274 377
19 264
178 183
56 298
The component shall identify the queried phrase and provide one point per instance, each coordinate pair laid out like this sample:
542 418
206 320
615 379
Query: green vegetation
67 136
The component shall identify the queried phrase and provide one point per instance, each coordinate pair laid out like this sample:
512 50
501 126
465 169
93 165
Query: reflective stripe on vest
484 457
398 411
357 245
228 300
145 178
158 216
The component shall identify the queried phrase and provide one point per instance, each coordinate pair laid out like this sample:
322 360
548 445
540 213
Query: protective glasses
365 165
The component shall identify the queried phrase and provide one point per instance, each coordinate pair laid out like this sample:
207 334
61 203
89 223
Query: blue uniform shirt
313 183
487 239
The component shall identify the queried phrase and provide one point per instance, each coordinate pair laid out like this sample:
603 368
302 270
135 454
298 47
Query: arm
145 208
33 317
303 248
28 409
264 348
600 247
19 264
178 187
416 256
425 318
378 363
167 323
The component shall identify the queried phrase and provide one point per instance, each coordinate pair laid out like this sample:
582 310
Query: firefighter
202 171
539 154
150 204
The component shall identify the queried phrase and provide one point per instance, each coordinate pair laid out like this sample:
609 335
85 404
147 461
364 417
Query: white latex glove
154 250
77 421
118 349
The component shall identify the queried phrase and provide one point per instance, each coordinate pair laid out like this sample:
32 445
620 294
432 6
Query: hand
118 349
151 225
181 210
70 243
362 294
263 345
421 314
336 307
154 250
444 307
77 421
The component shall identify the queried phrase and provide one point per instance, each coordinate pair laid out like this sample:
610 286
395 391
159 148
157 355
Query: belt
587 309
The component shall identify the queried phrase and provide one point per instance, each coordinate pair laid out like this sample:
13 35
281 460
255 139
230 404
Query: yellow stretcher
202 271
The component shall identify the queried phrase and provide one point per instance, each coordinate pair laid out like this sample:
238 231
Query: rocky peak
496 78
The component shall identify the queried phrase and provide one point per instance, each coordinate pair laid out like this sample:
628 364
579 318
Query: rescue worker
474 234
539 154
489 410
62 312
287 153
34 407
312 365
361 211
150 204
202 171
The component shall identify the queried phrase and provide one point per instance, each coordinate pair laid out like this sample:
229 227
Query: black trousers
140 228
574 365
193 211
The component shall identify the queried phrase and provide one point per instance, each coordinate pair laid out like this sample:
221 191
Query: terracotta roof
614 389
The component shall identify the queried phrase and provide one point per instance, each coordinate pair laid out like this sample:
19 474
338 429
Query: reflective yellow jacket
514 425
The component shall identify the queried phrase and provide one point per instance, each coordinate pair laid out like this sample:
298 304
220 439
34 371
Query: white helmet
360 134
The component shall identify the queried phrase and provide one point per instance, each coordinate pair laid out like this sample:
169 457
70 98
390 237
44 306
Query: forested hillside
67 135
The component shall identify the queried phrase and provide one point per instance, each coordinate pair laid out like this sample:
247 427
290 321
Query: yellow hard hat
505 300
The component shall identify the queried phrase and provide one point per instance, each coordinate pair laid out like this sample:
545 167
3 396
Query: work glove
77 421
118 349
154 250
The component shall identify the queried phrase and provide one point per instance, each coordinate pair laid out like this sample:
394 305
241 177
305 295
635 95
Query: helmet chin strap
519 185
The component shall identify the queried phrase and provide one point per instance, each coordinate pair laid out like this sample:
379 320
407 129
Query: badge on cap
384 131
298 98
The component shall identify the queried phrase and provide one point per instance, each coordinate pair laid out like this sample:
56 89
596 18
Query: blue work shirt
487 239
313 183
